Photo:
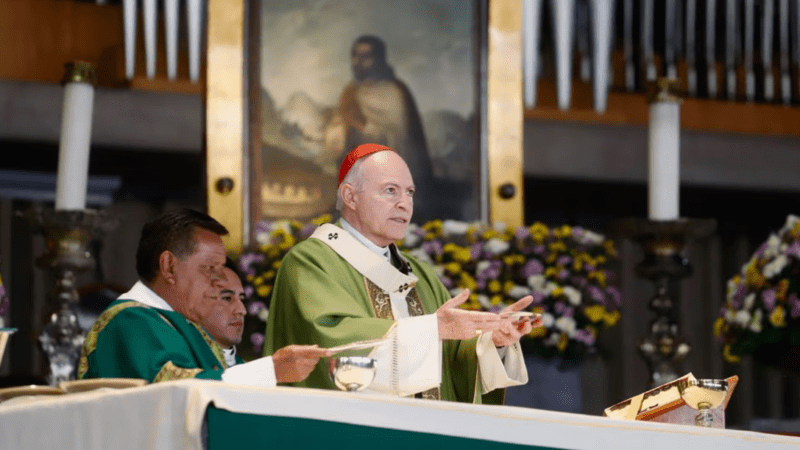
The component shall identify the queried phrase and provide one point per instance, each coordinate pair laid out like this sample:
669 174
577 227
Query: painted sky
306 47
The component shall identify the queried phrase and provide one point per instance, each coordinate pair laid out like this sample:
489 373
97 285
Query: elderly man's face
362 60
223 315
385 204
199 275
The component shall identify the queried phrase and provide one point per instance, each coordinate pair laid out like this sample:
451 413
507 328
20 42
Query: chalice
703 395
351 373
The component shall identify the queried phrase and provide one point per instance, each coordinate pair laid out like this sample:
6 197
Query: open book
658 401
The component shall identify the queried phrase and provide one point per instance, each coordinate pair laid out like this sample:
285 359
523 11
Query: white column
563 18
711 60
731 11
194 28
767 31
627 45
531 32
171 37
76 136
691 69
783 34
647 40
129 19
749 26
150 39
663 158
601 26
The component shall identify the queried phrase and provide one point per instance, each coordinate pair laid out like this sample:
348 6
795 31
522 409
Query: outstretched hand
457 323
511 330
293 363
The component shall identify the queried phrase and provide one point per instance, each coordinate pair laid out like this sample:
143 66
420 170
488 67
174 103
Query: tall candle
663 162
76 134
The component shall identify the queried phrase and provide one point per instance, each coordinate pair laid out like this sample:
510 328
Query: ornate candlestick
663 242
67 235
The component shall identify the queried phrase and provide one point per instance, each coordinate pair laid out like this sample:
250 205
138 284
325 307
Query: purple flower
563 274
432 248
247 260
577 232
795 304
563 260
532 267
263 227
794 250
563 310
447 282
248 291
255 307
3 300
419 232
597 294
584 336
760 252
475 251
539 249
538 297
522 232
495 309
257 339
615 295
589 267
768 297
307 230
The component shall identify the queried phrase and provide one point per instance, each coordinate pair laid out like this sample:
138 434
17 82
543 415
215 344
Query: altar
202 414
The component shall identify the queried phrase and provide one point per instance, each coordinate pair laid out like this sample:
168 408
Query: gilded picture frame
257 123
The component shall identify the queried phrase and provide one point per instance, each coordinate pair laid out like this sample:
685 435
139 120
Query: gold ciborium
351 373
703 395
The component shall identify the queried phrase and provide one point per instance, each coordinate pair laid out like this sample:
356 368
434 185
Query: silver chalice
703 395
351 373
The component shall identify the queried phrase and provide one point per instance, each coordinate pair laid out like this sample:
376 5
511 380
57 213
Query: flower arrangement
761 315
565 269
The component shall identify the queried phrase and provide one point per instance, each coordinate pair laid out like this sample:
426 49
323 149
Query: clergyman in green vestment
348 282
152 331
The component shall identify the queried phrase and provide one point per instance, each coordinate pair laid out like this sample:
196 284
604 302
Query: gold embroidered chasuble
133 340
319 298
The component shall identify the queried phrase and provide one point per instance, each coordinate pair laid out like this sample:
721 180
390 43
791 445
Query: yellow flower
611 319
557 247
462 255
494 286
276 264
609 247
258 280
489 234
539 228
562 342
270 274
600 276
538 332
595 313
507 286
551 272
557 292
728 356
263 290
453 267
467 282
325 218
497 299
778 317
562 231
250 277
783 286
720 327
754 277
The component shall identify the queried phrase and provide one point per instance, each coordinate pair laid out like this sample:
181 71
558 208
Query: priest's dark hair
172 231
230 264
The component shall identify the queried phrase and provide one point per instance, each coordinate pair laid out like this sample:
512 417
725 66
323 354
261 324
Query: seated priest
223 315
152 331
349 282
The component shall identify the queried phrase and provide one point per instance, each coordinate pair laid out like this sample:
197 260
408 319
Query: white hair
353 178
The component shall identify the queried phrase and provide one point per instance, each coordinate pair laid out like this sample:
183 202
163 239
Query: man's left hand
513 329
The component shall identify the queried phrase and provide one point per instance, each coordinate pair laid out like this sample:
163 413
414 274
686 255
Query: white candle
664 160
73 153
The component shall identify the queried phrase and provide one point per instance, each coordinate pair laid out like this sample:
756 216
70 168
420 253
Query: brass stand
67 235
663 243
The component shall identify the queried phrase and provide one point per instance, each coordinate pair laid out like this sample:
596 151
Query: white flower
455 291
517 292
791 221
454 227
730 315
590 237
755 324
547 320
422 256
537 282
499 226
481 266
496 246
773 244
411 239
775 266
749 301
566 324
573 295
552 340
682 350
549 287
485 301
263 314
742 318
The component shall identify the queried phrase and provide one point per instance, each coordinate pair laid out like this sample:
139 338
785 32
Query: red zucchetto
356 154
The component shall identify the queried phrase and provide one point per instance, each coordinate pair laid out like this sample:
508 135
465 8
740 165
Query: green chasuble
321 299
133 340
